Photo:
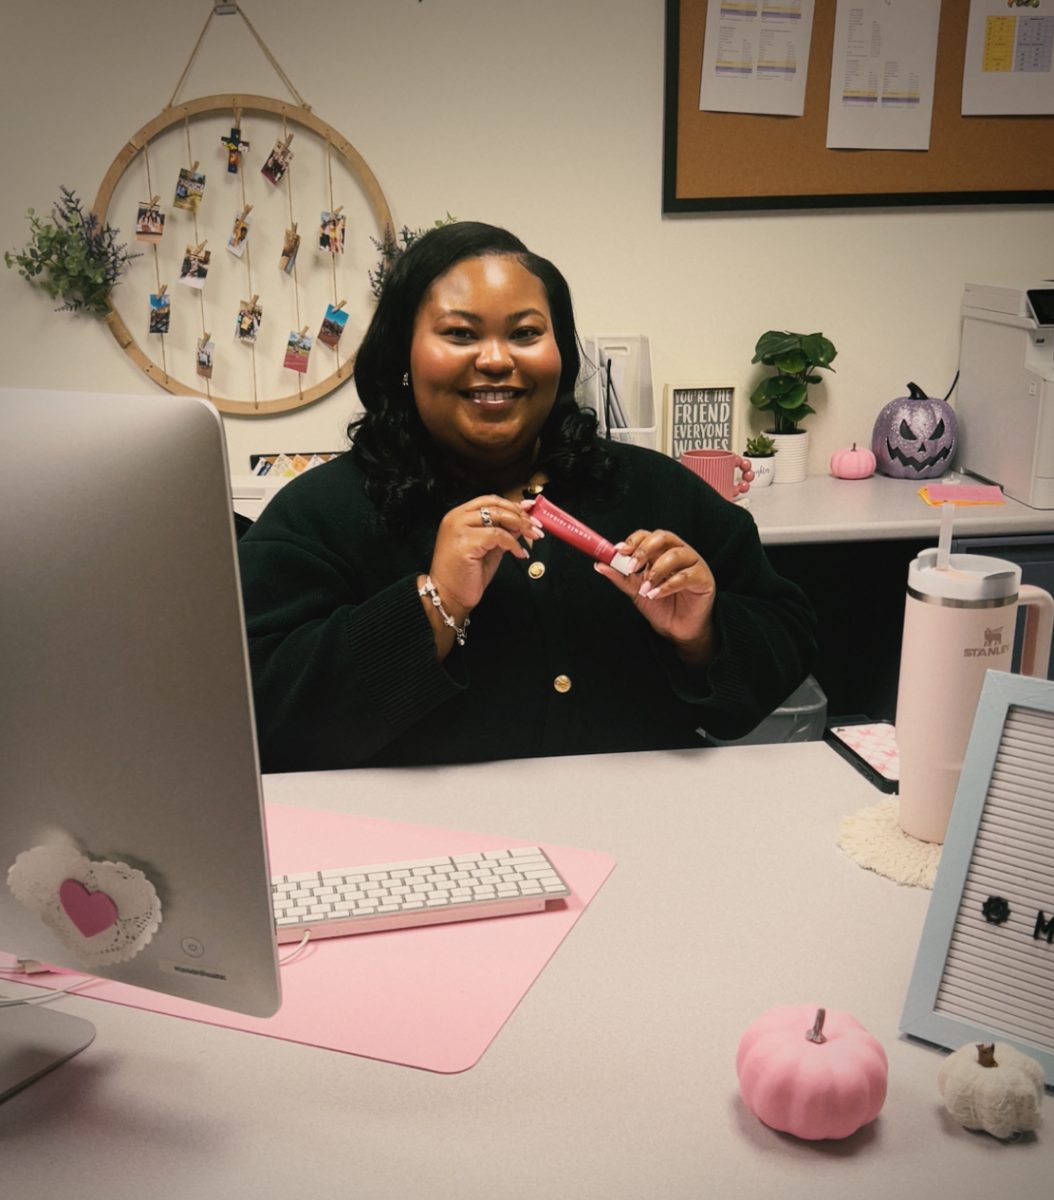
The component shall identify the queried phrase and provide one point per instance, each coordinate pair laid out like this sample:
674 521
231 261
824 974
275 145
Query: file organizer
628 407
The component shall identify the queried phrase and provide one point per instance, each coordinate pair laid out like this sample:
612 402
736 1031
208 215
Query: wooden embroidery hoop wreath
205 106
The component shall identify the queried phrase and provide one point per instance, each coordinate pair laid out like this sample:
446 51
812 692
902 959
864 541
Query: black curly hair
389 441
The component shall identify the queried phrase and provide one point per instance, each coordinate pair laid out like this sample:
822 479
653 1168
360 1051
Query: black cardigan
343 659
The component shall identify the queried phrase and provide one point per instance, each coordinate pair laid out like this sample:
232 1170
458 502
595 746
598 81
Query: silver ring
484 512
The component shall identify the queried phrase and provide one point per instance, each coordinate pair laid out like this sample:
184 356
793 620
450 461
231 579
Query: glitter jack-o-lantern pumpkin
915 436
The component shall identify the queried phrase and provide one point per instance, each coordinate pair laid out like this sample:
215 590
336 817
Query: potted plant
797 357
72 256
761 454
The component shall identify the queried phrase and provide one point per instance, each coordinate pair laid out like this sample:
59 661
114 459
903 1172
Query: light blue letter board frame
985 965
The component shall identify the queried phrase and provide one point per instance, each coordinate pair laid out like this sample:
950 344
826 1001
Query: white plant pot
763 469
792 452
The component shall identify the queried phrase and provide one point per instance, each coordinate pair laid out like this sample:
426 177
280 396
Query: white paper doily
105 912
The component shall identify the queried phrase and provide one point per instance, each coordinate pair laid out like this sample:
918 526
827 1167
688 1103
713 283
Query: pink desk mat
433 998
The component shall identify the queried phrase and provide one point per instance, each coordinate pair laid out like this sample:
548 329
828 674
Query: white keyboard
423 891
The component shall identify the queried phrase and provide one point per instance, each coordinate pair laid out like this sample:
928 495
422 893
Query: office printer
1005 398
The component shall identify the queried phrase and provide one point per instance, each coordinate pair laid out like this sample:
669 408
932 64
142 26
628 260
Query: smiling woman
361 578
484 367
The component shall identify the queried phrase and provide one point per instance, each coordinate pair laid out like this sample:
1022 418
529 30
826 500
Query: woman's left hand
673 590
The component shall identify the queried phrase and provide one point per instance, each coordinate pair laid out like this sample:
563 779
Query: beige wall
544 117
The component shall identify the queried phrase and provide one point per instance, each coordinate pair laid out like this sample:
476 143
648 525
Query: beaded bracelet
429 589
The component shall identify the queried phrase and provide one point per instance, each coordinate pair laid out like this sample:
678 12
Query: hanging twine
296 277
259 41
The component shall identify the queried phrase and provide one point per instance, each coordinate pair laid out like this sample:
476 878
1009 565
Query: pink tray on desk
434 997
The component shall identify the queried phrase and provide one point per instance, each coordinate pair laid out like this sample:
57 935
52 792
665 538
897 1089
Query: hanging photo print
234 145
195 266
250 314
290 246
239 233
149 221
277 162
332 325
297 350
160 311
190 187
206 350
331 231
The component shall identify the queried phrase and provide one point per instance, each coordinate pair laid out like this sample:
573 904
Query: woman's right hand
469 546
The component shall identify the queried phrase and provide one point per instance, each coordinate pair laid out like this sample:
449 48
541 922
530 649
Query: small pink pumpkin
855 463
810 1072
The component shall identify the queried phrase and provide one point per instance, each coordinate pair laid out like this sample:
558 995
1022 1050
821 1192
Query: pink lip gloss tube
560 524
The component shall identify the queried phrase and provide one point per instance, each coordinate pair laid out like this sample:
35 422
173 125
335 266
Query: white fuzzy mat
873 838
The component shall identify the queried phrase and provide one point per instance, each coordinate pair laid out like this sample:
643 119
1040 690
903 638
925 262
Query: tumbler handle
1039 623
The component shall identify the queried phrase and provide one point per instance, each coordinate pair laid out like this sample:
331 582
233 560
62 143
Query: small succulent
760 447
72 256
391 246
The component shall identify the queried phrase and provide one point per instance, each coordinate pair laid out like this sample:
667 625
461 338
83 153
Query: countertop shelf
825 509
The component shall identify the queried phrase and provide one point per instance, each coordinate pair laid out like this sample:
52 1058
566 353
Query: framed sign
985 964
698 417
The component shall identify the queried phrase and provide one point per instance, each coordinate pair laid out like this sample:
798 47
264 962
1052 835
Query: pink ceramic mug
718 468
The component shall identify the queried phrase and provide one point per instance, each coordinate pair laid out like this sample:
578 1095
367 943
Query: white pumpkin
995 1088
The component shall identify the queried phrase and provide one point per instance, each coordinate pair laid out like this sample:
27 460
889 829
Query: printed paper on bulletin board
730 160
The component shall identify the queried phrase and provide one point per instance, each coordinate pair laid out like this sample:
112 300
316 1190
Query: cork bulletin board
716 161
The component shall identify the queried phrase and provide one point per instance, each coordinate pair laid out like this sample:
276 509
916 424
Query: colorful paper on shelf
433 997
961 493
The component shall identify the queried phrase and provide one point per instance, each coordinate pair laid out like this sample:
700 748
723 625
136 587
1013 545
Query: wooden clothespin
252 302
155 201
199 248
161 290
205 338
303 331
193 166
338 307
245 212
337 211
288 139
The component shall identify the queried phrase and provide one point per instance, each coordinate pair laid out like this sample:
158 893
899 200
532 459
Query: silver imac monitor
132 837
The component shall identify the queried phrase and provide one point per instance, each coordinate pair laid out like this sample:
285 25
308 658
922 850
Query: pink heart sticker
91 912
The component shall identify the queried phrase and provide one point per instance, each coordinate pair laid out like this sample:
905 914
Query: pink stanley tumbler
959 621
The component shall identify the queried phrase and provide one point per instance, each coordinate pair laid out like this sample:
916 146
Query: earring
406 379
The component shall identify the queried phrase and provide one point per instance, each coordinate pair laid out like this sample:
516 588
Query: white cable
296 949
52 994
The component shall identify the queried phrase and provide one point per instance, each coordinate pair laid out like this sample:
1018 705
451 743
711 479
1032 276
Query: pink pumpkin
852 464
810 1072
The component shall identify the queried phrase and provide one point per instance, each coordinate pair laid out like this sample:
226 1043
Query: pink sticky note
964 493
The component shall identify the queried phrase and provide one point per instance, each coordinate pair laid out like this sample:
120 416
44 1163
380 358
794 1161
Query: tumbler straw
944 542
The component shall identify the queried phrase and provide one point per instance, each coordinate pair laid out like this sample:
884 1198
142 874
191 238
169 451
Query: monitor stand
33 1040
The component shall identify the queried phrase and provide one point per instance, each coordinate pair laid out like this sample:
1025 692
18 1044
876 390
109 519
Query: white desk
824 509
615 1078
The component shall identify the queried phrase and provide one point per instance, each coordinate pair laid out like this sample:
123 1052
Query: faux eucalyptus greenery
391 246
72 256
